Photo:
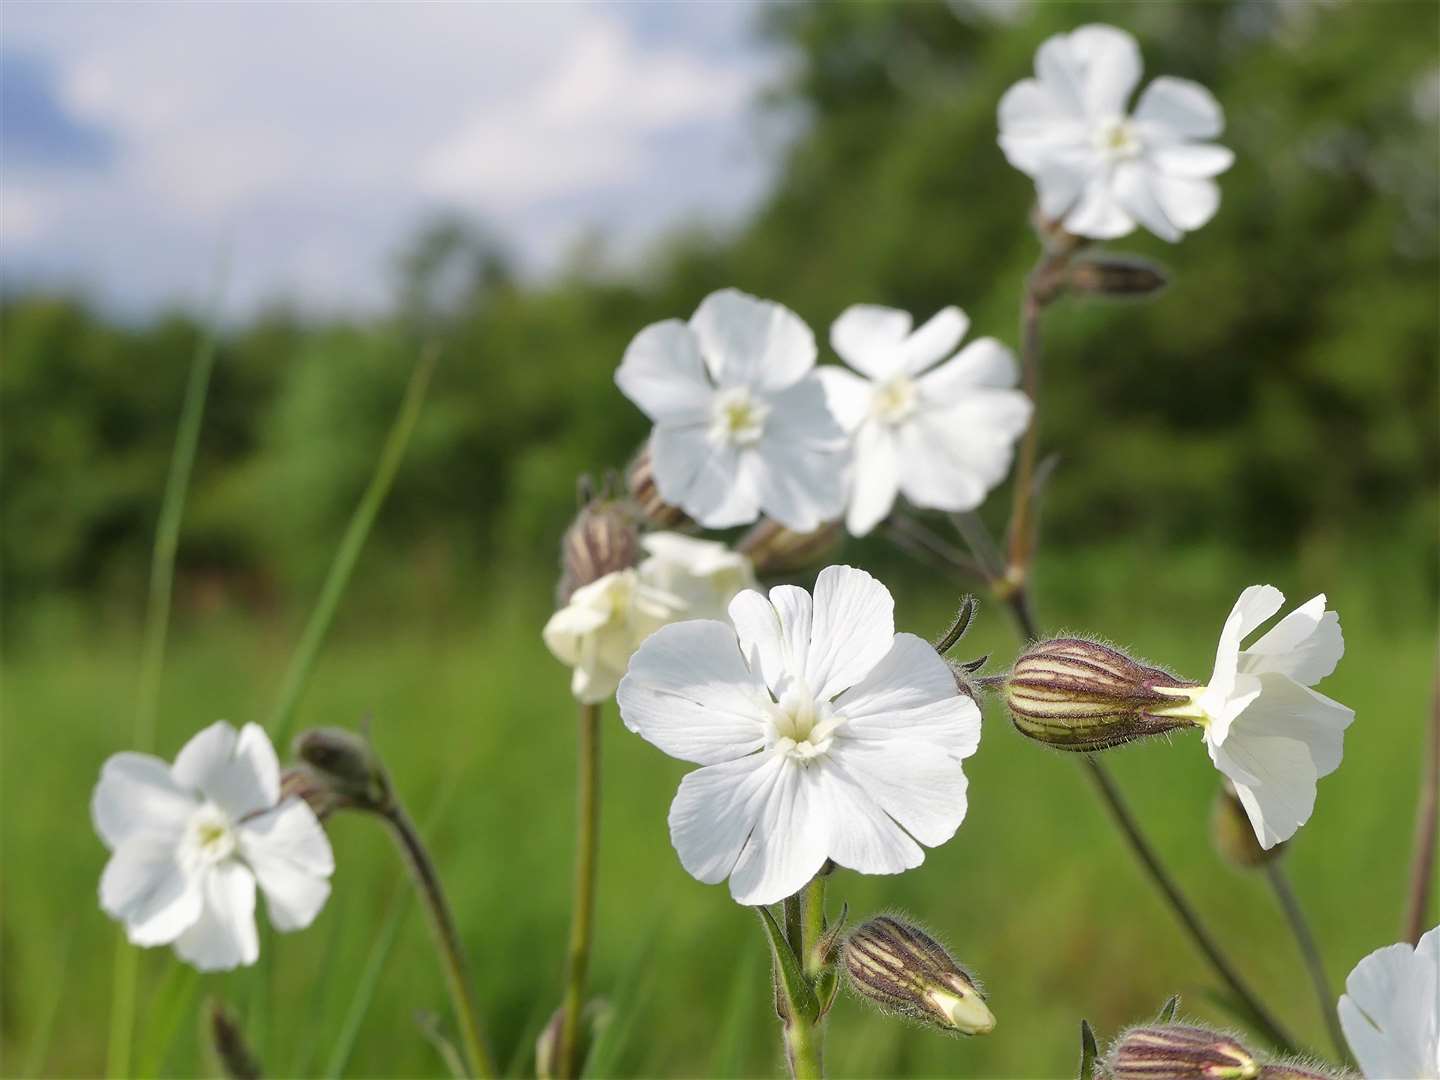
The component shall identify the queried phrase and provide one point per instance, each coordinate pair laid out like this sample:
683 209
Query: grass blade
45 1029
369 979
173 1002
732 1036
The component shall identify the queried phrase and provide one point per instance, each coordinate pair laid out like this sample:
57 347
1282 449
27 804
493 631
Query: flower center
210 837
1116 139
801 727
737 418
895 400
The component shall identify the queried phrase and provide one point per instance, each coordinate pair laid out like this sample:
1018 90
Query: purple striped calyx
1178 1052
907 973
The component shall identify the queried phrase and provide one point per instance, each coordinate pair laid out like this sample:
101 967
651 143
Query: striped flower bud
602 539
774 549
640 480
908 973
1115 276
344 762
1234 836
1074 694
1177 1052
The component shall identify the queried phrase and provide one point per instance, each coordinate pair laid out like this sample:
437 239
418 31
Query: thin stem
1422 865
348 553
447 940
582 919
812 927
1309 950
1021 539
1187 915
804 926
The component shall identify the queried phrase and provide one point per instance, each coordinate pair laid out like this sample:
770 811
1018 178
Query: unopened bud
1234 836
234 1055
302 782
345 762
601 540
640 480
906 972
774 549
1074 694
1177 1052
1115 276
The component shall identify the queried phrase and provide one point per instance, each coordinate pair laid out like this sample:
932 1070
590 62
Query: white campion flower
741 423
191 840
822 734
1266 730
941 435
1390 1011
704 574
1098 169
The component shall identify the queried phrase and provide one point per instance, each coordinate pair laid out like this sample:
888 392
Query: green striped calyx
1074 694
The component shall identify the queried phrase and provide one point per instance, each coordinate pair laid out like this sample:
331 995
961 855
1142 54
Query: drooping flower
704 574
1390 1011
1100 170
941 435
1266 729
822 734
741 423
191 840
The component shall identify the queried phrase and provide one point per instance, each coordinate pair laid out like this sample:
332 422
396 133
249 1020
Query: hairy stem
447 940
804 925
1422 866
582 918
1309 950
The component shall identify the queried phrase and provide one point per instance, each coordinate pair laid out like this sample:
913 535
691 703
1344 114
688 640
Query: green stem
1309 950
447 940
1427 820
804 1038
582 918
348 553
152 654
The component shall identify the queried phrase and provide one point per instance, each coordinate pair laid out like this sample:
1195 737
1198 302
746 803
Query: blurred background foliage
1272 416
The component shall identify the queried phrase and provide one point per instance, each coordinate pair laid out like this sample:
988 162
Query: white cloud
309 140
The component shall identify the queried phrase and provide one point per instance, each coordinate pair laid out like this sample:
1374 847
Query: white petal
863 837
1390 1010
911 695
1035 122
1306 645
716 810
137 794
689 692
934 341
983 363
566 630
1179 108
868 338
918 784
789 843
762 638
664 373
852 629
1099 214
240 774
1060 182
846 394
1188 203
1105 63
802 487
224 936
145 887
705 480
875 479
947 467
1135 189
752 342
291 858
1256 604
1187 159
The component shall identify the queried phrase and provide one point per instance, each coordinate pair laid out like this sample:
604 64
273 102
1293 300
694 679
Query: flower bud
1074 694
906 972
1115 276
232 1052
345 763
640 480
602 539
1177 1052
774 549
302 782
1234 836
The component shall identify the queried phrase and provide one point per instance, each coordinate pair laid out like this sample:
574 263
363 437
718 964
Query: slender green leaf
429 1025
171 1004
732 1035
799 995
631 995
369 979
1089 1052
1167 1011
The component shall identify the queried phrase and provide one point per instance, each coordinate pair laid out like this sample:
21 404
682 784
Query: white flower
1391 1011
942 436
191 840
1097 168
600 627
822 734
741 423
1265 728
704 574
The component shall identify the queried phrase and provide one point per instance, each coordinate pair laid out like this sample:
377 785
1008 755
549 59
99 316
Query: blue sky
307 141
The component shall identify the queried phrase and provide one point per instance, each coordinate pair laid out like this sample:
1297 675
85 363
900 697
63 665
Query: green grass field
1035 892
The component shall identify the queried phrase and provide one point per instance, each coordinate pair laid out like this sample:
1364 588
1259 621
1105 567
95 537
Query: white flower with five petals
941 435
191 840
1098 169
741 424
1266 730
822 734
1390 1011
